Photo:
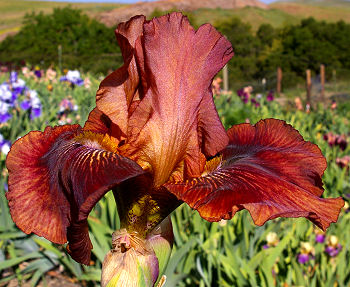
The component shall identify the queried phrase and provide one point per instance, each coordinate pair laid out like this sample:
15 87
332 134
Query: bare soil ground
47 282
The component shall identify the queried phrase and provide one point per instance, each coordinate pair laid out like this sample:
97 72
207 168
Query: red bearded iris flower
155 139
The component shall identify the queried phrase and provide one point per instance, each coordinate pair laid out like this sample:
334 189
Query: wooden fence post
323 80
279 80
308 86
225 77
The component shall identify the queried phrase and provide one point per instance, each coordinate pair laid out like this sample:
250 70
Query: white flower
5 93
4 107
19 84
72 76
33 94
5 148
36 103
307 248
333 240
272 239
34 99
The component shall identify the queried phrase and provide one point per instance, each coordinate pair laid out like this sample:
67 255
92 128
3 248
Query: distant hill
328 10
320 2
110 18
254 12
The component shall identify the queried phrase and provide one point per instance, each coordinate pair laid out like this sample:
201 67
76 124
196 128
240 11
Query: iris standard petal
267 169
178 64
55 179
118 90
98 122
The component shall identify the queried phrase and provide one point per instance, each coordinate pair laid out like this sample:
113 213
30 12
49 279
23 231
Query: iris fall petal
267 169
55 179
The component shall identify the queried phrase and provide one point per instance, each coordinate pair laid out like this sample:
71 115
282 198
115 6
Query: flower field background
283 252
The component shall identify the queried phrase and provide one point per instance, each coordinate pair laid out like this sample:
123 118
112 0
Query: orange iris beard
156 140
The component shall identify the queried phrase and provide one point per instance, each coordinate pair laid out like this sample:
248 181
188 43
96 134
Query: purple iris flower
240 93
16 92
13 76
33 105
25 105
303 258
78 82
63 79
270 96
333 251
255 102
5 117
35 113
37 73
245 98
320 238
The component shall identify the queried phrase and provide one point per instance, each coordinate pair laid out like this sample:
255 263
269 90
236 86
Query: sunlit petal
267 169
178 64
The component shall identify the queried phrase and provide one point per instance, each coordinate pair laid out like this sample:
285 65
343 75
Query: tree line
84 43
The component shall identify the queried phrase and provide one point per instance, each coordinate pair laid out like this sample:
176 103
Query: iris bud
135 261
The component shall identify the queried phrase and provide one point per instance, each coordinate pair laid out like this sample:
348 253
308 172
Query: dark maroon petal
55 179
34 206
79 245
267 169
